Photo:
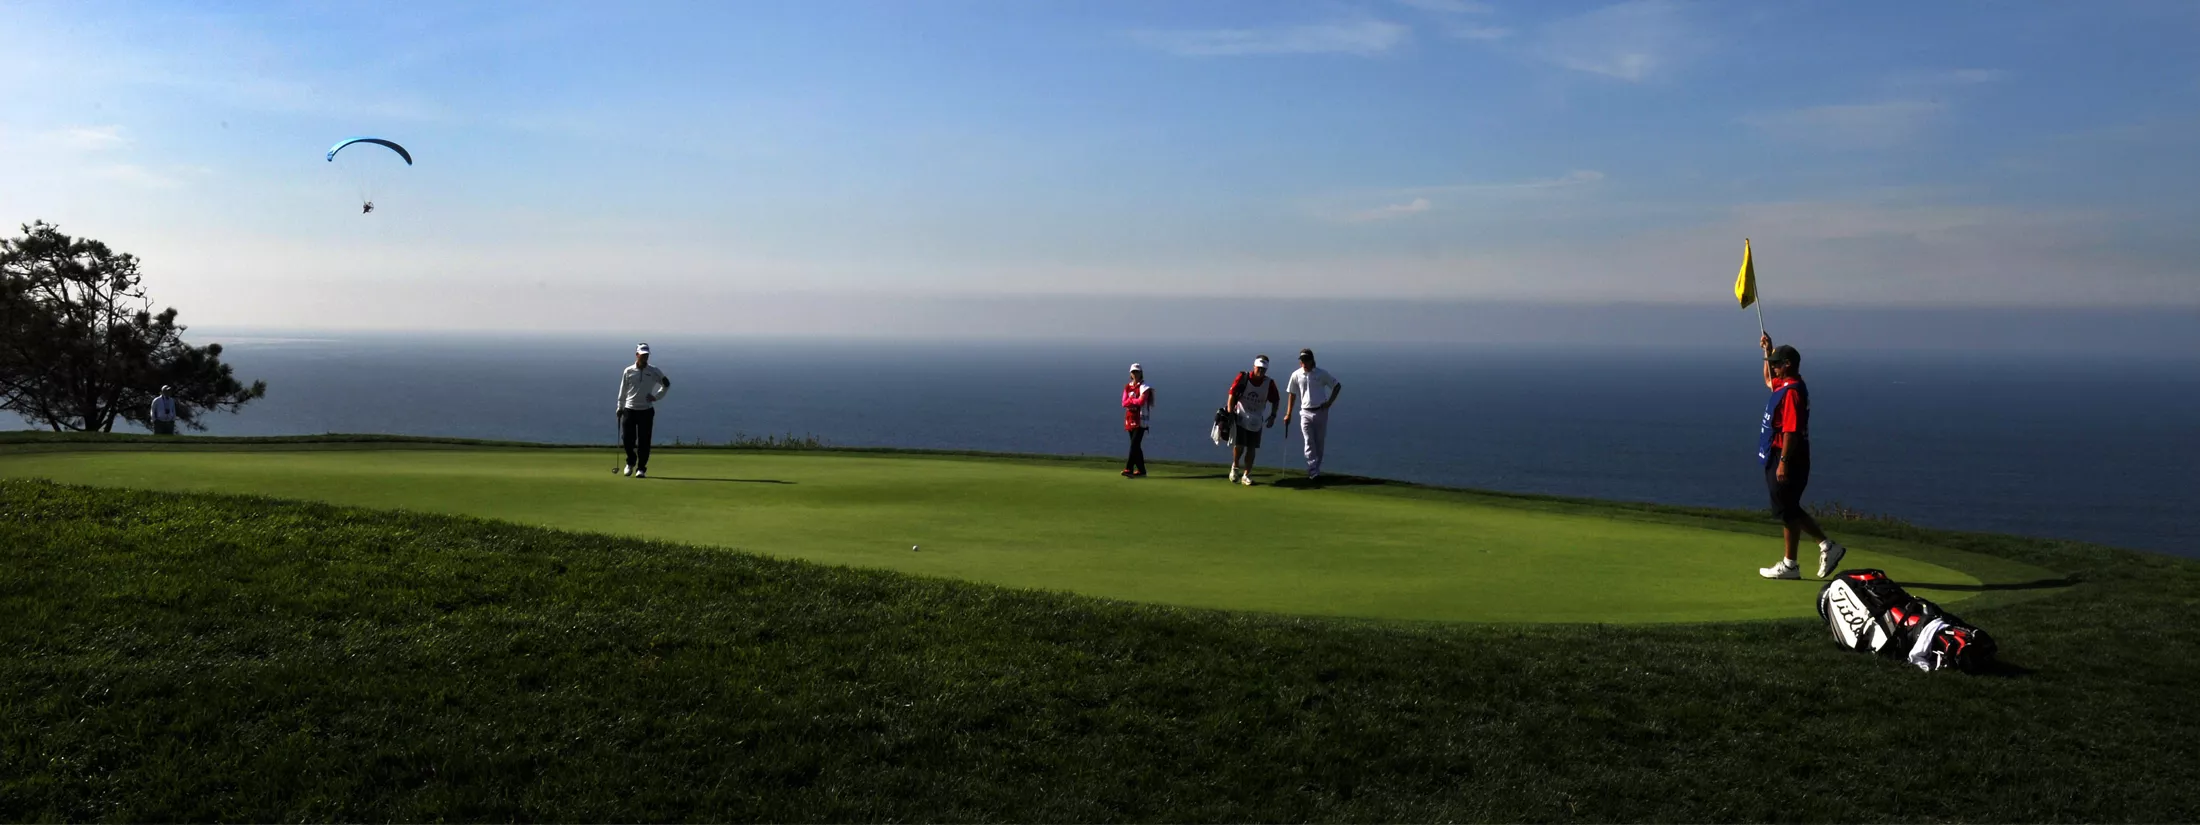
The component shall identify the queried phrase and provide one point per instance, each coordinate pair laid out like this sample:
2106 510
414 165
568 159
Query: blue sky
575 156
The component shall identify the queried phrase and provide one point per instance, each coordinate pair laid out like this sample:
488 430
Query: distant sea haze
2084 447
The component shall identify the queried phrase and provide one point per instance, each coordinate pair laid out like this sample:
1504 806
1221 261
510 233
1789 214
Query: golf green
1181 537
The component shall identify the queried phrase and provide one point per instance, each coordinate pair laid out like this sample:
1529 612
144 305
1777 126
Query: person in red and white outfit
1255 399
1137 417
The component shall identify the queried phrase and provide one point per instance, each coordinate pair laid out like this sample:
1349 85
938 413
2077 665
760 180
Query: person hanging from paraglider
366 200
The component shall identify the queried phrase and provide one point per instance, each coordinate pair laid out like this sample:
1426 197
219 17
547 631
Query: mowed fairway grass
1181 537
168 655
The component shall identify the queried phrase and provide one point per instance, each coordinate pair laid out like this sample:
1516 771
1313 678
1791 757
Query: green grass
179 655
197 657
1183 537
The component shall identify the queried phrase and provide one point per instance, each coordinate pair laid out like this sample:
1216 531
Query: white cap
164 388
641 349
1137 368
1260 362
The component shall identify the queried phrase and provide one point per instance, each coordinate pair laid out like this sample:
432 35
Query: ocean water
2092 448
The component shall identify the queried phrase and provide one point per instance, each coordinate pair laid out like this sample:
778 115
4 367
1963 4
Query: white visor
1260 362
641 349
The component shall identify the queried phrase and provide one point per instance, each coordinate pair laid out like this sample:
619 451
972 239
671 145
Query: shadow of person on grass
1303 483
2035 584
729 480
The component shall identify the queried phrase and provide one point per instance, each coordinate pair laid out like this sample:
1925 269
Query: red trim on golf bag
1866 611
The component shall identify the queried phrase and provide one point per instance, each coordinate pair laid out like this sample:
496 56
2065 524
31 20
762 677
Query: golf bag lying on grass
1869 612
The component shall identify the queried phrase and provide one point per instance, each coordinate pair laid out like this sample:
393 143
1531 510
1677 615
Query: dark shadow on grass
731 480
1328 481
2036 584
2002 670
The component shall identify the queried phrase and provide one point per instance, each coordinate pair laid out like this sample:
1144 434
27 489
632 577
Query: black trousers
1137 461
1787 496
634 431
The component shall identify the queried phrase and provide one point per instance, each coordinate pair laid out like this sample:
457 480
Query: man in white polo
1311 390
164 412
640 388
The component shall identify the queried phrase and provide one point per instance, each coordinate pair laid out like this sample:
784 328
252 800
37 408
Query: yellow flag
1745 284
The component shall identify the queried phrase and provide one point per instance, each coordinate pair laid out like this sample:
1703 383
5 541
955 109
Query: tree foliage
80 344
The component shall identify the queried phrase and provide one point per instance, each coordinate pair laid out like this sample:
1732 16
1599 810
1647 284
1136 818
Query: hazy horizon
2154 333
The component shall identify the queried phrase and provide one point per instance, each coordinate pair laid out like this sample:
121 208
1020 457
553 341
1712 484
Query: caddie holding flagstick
1783 440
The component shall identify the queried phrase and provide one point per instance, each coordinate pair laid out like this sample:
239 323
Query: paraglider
400 150
368 172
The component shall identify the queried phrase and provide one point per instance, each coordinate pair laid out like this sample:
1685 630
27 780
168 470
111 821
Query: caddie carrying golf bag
1867 611
1224 421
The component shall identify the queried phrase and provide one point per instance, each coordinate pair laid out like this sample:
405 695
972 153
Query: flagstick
1757 301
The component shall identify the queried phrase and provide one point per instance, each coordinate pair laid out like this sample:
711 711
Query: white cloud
148 177
1851 125
1631 41
87 138
1409 201
1951 77
1391 212
1484 33
1577 177
1449 6
1364 37
134 175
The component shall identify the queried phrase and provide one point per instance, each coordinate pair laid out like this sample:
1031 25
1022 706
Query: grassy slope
202 657
1182 537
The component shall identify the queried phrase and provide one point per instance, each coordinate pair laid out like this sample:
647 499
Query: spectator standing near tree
164 412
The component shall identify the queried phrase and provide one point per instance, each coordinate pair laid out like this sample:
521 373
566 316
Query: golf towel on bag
1867 611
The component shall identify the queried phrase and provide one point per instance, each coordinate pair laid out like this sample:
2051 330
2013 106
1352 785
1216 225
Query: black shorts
1787 496
1241 437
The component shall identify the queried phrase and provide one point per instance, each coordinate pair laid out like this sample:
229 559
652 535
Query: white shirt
1313 387
641 389
164 408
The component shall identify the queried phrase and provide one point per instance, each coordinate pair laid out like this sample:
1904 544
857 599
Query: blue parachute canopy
400 150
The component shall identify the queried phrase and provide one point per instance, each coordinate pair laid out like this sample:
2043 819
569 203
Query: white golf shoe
1246 479
1786 569
1233 475
625 470
1829 555
641 473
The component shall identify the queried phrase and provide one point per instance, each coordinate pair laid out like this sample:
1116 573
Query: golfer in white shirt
640 388
1311 390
